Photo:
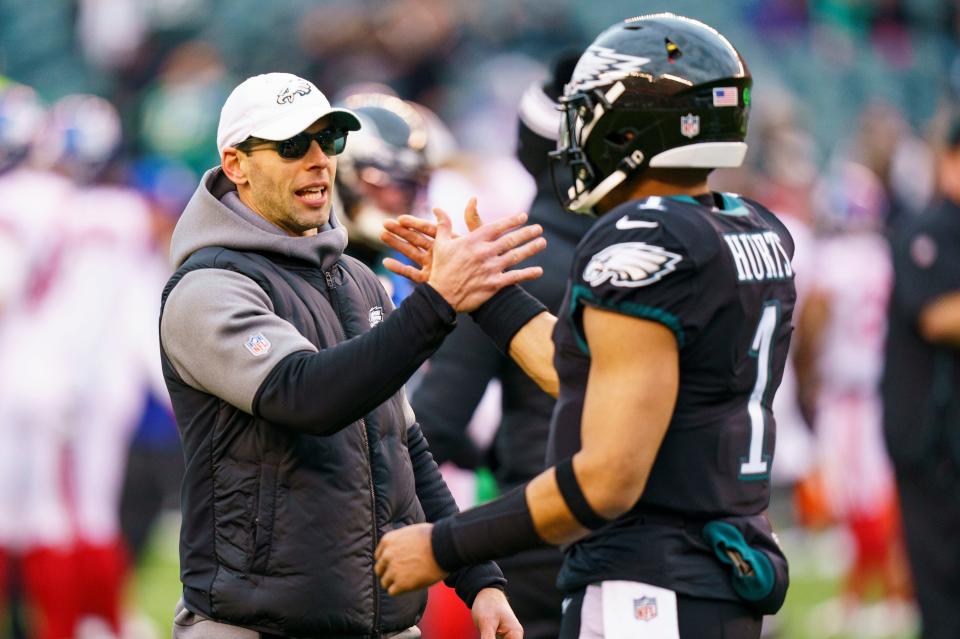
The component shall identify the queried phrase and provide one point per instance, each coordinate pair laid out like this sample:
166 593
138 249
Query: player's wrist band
504 314
496 529
574 497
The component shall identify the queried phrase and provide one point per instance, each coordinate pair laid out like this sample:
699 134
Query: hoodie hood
215 216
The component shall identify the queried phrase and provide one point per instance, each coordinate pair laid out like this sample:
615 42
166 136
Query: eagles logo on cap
287 96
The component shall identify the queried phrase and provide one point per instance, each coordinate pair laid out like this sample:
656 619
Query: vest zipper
335 304
376 540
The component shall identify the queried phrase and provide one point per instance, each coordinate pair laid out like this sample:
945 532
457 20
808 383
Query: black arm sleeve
437 503
322 392
450 391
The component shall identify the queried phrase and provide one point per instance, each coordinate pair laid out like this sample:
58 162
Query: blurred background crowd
108 116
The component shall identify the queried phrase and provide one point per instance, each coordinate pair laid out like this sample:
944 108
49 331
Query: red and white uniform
79 345
854 272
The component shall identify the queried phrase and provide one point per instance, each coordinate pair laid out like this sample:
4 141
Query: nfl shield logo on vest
645 608
690 125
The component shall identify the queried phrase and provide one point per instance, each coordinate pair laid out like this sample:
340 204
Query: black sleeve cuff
435 300
469 581
504 314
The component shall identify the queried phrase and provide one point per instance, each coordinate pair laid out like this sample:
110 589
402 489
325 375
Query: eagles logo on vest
375 316
290 93
630 264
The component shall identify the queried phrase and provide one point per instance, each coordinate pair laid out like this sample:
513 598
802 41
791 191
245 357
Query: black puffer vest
279 527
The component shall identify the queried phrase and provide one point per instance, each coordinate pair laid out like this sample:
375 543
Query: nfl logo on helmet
690 125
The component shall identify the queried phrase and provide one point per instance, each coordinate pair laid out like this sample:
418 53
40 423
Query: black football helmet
659 91
385 169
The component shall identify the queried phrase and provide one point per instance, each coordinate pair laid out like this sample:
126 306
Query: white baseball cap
275 106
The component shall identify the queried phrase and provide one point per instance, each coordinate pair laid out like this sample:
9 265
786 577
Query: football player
385 171
665 358
78 354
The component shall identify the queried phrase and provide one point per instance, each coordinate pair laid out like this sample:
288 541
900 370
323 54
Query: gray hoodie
230 306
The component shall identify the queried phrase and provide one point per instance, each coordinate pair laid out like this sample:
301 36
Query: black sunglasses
331 141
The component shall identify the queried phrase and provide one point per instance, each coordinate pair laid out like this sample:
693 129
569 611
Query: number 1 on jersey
756 465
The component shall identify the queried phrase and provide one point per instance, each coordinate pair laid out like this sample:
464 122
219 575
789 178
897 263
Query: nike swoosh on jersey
625 223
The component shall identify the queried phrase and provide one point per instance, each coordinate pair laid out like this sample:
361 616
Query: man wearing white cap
285 362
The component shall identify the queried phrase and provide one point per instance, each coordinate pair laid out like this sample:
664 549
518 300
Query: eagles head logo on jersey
630 264
294 89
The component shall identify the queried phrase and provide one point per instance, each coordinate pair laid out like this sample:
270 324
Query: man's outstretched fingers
519 275
414 237
513 239
519 254
471 216
407 238
444 224
426 227
417 256
405 270
499 227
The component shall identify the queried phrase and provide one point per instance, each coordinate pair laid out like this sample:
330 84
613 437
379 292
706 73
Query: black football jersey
718 275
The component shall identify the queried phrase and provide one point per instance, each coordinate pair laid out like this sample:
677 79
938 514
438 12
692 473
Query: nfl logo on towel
375 316
725 97
690 125
645 608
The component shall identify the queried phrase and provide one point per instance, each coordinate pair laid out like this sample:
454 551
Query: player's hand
413 237
466 270
405 559
494 617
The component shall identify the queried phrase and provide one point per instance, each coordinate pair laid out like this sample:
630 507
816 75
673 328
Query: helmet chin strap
585 202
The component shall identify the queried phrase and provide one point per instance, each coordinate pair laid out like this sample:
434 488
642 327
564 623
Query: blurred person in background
885 144
178 113
385 171
286 364
21 117
840 335
77 363
29 211
459 372
921 391
154 470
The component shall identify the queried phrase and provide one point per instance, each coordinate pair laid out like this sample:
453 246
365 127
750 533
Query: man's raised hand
466 270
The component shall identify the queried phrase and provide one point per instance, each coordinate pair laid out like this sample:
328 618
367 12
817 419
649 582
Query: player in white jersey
79 349
844 323
29 209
